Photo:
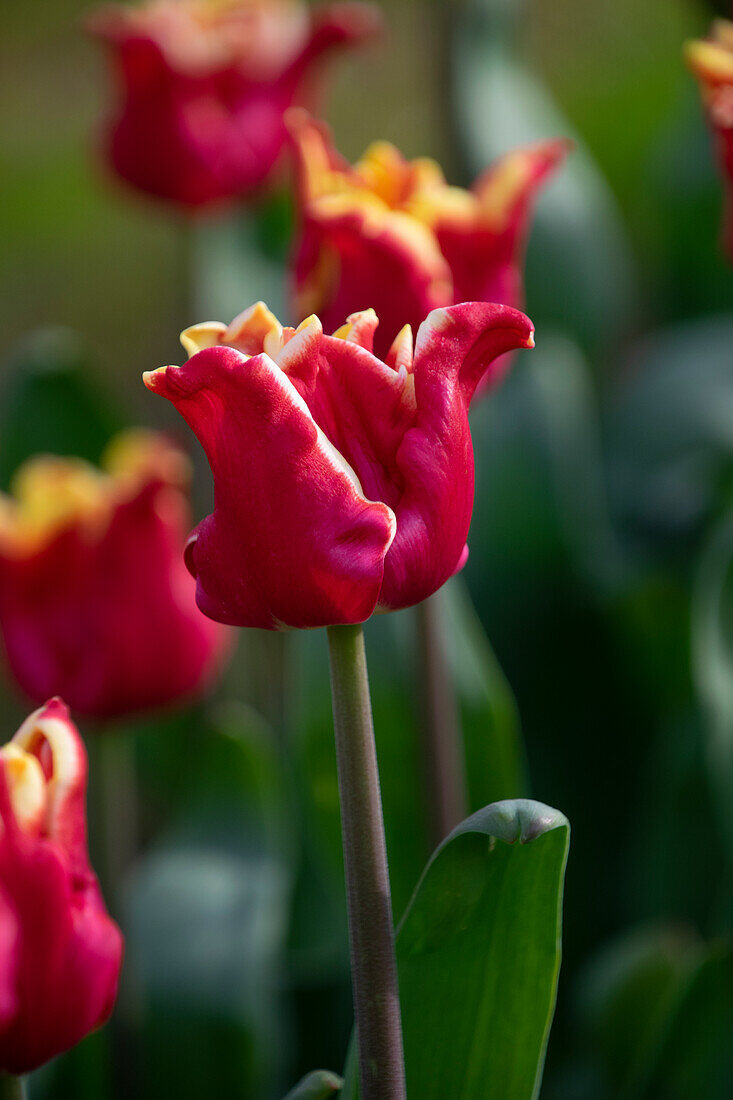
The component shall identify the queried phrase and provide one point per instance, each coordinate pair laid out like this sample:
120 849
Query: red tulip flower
60 952
94 600
711 60
344 483
391 234
205 84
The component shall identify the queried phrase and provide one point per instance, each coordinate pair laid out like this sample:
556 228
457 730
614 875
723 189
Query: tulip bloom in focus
60 952
343 483
391 234
205 83
95 602
711 61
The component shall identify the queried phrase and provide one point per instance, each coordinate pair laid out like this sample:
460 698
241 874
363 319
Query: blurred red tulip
711 60
343 483
60 952
205 84
95 603
392 234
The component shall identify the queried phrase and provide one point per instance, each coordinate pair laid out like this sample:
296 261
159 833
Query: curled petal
455 347
292 540
54 739
463 343
486 250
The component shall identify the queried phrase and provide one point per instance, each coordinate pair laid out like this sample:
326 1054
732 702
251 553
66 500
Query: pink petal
455 348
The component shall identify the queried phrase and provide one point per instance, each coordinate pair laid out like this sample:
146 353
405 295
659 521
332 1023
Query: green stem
442 735
11 1088
371 932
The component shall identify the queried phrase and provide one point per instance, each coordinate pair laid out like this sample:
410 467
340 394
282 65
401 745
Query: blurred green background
600 559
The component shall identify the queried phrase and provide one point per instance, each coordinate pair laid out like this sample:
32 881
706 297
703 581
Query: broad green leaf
478 952
50 403
318 1085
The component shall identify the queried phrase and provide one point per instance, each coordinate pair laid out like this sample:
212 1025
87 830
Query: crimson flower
95 602
392 234
205 83
60 952
711 61
343 483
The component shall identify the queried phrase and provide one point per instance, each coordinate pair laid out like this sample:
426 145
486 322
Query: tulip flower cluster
95 603
60 953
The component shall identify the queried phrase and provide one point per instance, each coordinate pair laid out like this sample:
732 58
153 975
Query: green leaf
318 1085
478 952
49 403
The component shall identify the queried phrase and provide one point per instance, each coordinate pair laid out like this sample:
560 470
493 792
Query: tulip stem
371 932
442 735
11 1088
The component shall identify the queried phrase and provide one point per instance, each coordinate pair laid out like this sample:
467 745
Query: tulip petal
486 251
362 405
292 540
455 347
66 818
